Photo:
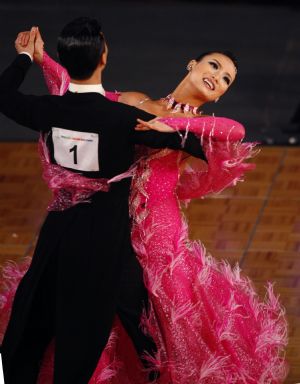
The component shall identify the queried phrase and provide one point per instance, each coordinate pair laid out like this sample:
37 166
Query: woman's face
212 75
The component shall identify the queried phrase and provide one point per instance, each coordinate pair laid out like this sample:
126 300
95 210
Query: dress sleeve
219 128
226 154
112 96
56 77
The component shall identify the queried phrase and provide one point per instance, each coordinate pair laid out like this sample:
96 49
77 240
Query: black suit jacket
89 243
87 133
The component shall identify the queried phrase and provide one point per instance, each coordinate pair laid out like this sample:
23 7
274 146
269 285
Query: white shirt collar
86 88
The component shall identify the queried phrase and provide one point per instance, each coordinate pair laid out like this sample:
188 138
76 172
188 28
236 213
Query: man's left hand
29 47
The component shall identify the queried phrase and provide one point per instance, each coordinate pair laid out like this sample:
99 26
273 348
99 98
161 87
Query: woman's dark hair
229 54
80 46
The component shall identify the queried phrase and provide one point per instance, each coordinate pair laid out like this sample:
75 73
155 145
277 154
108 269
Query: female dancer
206 320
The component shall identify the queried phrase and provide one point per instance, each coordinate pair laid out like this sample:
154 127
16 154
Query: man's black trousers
83 273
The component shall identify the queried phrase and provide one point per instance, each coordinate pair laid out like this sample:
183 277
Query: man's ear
104 55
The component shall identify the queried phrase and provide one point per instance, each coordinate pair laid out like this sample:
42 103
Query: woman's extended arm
58 80
220 128
135 99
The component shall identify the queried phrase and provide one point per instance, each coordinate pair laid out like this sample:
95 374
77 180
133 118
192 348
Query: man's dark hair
80 46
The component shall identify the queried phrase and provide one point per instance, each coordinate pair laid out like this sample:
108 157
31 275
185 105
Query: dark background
150 44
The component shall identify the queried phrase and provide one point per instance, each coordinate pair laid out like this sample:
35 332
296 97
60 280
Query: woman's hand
23 39
152 124
38 48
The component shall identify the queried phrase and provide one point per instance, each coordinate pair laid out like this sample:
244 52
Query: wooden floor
256 223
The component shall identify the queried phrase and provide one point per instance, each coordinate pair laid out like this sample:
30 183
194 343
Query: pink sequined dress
209 325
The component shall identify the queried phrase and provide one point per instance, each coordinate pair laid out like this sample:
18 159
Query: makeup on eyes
216 65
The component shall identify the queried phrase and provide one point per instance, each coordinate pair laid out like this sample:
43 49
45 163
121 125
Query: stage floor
257 223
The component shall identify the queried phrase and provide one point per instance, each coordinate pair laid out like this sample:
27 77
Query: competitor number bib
77 150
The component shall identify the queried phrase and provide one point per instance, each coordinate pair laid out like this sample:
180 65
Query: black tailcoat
75 284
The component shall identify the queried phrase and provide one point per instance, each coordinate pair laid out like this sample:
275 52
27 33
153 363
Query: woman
206 319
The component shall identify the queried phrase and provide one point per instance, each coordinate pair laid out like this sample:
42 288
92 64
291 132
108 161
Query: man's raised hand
23 41
29 47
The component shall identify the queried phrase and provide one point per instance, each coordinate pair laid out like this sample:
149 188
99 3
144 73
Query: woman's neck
183 93
186 93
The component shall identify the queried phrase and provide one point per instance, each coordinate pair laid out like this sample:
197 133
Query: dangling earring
217 99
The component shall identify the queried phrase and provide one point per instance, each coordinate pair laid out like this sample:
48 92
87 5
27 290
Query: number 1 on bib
74 149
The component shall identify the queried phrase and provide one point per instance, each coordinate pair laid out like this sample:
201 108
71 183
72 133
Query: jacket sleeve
155 139
190 144
13 104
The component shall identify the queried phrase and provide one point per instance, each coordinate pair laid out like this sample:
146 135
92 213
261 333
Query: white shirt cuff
28 54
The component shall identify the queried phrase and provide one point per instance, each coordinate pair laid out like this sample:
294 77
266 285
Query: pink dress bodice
163 181
160 206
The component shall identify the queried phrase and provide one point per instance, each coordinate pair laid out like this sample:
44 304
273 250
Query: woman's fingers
38 47
155 125
39 40
141 127
143 122
144 125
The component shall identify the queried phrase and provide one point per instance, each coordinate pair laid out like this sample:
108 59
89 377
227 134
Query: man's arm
11 79
14 104
156 139
13 76
23 109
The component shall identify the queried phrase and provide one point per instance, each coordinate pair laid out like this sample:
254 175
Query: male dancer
76 282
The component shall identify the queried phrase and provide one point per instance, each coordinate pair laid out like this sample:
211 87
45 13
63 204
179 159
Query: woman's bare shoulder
133 98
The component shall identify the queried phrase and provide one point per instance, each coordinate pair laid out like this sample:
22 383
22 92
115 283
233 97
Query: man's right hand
24 37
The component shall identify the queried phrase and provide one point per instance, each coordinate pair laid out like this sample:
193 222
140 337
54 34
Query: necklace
180 107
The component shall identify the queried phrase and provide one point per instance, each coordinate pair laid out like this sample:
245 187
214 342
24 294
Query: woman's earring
189 67
217 99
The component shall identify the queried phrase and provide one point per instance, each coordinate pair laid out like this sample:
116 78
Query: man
83 270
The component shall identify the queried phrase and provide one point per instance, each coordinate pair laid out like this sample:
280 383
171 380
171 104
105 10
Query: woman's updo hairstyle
228 54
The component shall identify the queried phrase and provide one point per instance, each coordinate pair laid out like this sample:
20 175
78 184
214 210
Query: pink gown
209 325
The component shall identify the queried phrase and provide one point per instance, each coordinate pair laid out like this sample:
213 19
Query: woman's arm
135 99
56 77
219 128
141 101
